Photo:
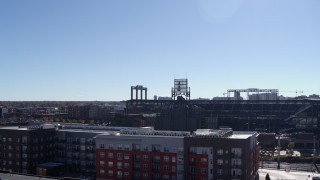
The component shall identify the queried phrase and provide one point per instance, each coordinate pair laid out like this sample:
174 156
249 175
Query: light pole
278 149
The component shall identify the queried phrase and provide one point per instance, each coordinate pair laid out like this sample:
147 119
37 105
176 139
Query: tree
268 177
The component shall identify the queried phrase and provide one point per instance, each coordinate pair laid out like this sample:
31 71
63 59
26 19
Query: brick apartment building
221 154
140 154
204 155
105 152
23 148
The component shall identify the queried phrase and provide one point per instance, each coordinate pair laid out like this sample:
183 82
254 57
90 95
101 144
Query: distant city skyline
85 51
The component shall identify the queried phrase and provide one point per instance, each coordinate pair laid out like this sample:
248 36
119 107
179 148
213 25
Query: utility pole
278 148
314 149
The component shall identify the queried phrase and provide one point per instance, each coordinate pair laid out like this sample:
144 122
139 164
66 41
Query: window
165 149
173 159
126 147
220 162
119 174
203 178
110 173
236 152
193 150
126 165
204 160
166 168
220 171
119 165
119 146
126 156
126 175
145 157
155 148
119 156
156 159
203 170
110 146
9 139
145 175
136 147
204 151
145 167
101 172
166 158
173 169
110 155
220 152
193 170
101 154
110 164
166 177
102 146
102 163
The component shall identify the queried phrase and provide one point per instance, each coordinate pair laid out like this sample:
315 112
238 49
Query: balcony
237 156
76 142
90 143
155 170
90 150
76 149
237 176
236 166
155 150
157 161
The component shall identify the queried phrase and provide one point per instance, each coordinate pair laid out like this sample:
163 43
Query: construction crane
296 91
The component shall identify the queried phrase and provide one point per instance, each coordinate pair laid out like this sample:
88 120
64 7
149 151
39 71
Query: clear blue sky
95 50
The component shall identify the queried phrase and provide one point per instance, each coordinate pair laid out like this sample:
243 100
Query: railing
236 165
155 170
156 161
233 155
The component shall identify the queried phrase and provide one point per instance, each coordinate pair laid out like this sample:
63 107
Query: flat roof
15 128
240 136
85 130
50 164
8 176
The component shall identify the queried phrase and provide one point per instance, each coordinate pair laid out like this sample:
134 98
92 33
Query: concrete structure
140 88
263 96
240 115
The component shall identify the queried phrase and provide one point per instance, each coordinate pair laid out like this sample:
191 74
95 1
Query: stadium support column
145 93
137 93
131 92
